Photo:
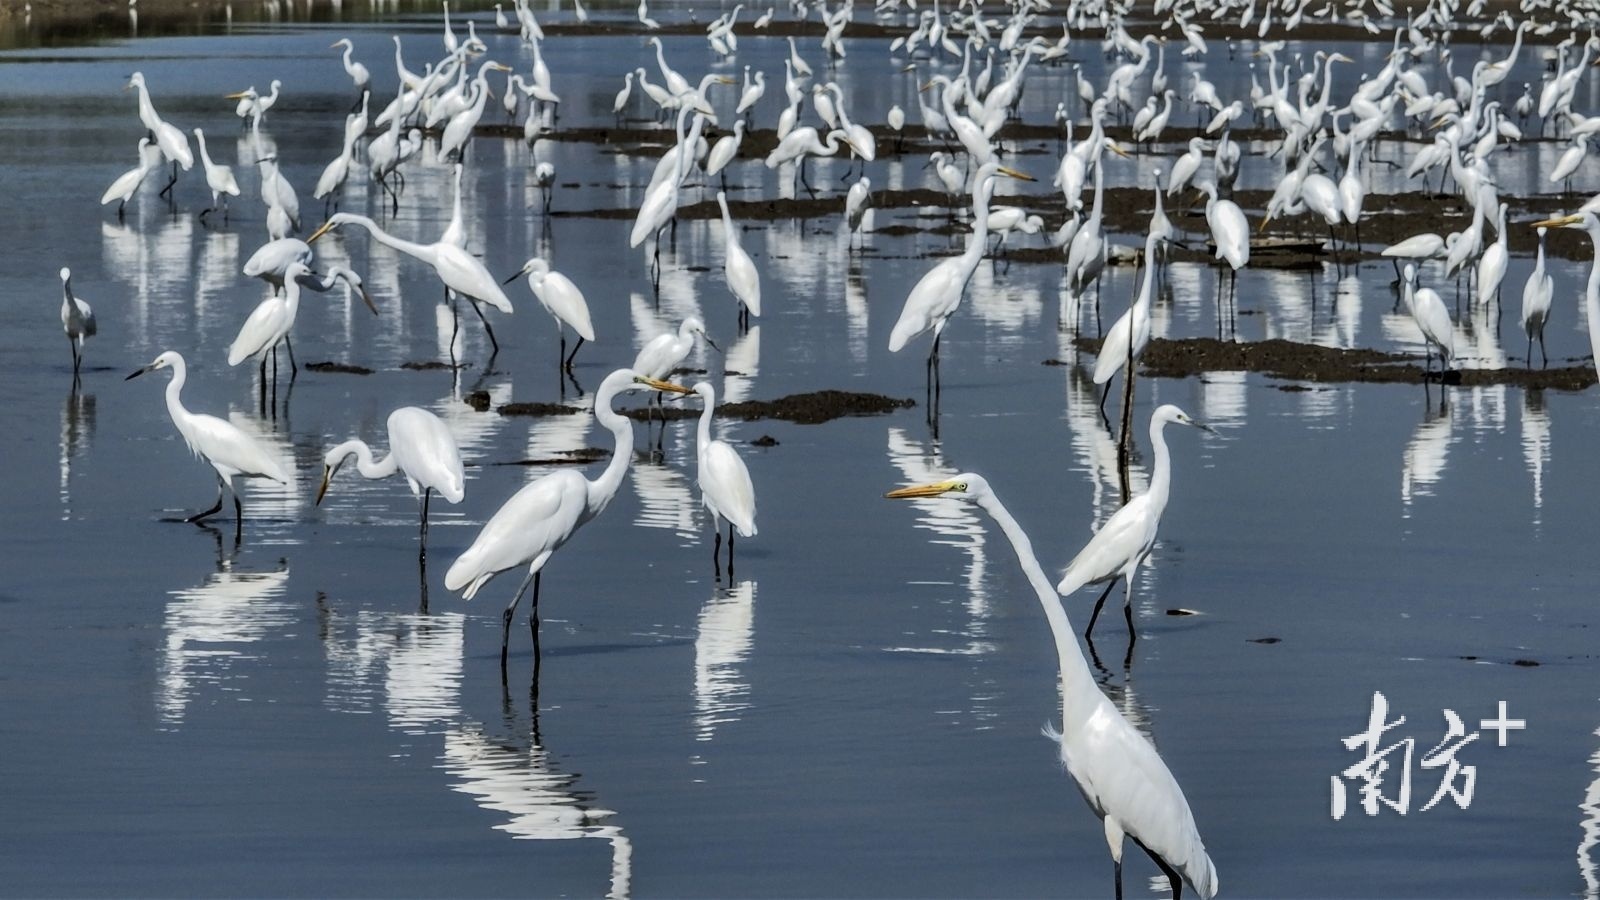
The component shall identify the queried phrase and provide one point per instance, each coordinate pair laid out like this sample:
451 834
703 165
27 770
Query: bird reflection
1092 443
726 630
855 309
956 526
207 629
77 433
1588 868
154 262
1423 463
1535 443
517 776
665 500
741 365
1223 397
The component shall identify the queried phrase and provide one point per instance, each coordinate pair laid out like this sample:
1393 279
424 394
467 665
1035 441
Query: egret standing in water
662 355
725 486
1536 295
1585 221
1117 769
77 320
463 274
1126 539
229 450
421 447
743 279
562 300
540 518
938 293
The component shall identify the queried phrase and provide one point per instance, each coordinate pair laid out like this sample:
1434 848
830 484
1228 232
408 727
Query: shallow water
856 711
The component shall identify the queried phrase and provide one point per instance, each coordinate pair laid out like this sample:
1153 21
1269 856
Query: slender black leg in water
1098 604
215 507
493 344
730 551
1118 865
294 368
422 546
238 518
1173 878
716 549
533 627
511 610
1127 610
568 364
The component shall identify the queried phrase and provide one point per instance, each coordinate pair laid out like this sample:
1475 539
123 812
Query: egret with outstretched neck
421 447
1117 769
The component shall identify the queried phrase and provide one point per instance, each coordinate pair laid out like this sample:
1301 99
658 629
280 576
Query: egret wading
725 486
1117 769
222 444
531 526
421 447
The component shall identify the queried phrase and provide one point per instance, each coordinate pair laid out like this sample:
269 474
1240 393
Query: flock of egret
1324 140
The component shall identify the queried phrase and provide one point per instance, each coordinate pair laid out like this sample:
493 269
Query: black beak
136 373
514 277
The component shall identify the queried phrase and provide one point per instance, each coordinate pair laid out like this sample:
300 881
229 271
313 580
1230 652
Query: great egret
662 355
271 260
1432 318
1230 232
219 178
1492 265
803 142
77 320
1128 336
1117 769
358 73
751 94
461 272
856 204
545 514
743 279
421 447
1586 221
128 182
229 450
562 300
723 152
937 294
621 101
725 486
173 142
1536 295
1125 540
271 321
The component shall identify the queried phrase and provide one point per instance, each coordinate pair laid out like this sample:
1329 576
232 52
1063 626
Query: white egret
358 73
272 260
173 142
1230 231
421 447
462 273
725 486
856 204
1186 166
723 152
803 142
751 94
562 300
1117 769
219 178
937 294
1492 265
660 203
743 279
801 68
1536 295
1124 542
128 182
528 528
1586 221
77 320
1128 336
459 129
269 324
620 103
1432 318
222 444
897 124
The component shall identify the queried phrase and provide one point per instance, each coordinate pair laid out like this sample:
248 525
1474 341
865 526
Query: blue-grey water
857 711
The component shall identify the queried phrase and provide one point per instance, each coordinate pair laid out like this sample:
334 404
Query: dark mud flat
337 368
811 408
1309 362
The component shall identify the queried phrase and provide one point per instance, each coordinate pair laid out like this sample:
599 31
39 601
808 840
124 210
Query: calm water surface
856 711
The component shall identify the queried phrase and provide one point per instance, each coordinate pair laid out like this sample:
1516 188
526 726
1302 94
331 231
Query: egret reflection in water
724 633
209 633
77 434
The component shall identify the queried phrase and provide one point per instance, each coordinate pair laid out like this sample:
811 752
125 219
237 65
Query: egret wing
726 481
228 447
1123 537
427 451
536 520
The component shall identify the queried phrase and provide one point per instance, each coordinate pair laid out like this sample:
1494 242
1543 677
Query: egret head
1169 413
66 273
706 392
693 327
535 268
966 486
334 222
1580 221
353 283
165 360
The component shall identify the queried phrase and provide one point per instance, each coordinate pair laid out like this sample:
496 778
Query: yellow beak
239 96
326 227
922 490
1021 176
664 385
1558 222
1114 148
327 476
